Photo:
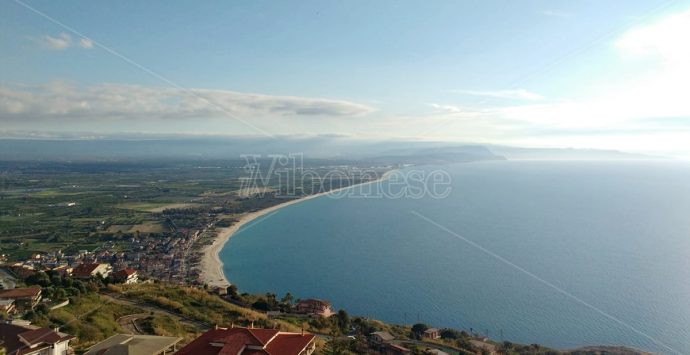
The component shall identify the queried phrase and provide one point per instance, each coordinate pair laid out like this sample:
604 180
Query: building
250 341
63 270
127 344
89 270
30 340
380 338
314 307
432 333
23 297
7 306
126 276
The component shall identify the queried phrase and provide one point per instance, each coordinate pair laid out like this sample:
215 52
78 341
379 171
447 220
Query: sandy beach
211 265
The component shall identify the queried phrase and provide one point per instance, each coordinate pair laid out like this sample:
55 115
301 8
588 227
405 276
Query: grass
148 227
154 206
165 326
198 305
90 319
118 228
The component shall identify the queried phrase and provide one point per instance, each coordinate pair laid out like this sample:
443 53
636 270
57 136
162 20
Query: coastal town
175 246
142 247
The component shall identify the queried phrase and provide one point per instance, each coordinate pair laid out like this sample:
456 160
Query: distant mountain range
435 155
322 147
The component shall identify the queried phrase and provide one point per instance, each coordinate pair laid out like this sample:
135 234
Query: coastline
212 267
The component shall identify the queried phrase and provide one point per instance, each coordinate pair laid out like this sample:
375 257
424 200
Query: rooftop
127 344
21 292
386 336
19 339
247 341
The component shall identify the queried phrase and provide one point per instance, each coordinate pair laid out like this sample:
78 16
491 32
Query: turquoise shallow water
613 235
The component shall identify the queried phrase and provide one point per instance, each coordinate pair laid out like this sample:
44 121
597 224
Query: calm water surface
613 235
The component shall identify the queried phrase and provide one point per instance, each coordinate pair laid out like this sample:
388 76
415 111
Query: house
30 340
89 270
7 306
380 338
63 270
250 341
126 276
23 297
394 349
127 344
432 333
314 307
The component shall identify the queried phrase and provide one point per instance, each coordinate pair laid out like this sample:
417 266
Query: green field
52 206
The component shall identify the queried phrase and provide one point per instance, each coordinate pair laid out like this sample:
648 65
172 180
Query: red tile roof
22 292
42 335
313 302
288 344
237 340
125 273
84 270
15 338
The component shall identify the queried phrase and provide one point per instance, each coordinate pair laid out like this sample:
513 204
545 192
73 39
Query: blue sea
564 254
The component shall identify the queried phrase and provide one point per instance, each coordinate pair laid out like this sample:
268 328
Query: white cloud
443 109
86 43
64 41
117 101
518 94
647 110
667 39
60 42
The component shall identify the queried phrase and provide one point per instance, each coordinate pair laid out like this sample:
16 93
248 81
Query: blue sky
530 73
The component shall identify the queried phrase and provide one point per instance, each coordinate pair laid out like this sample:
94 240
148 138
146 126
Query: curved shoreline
212 267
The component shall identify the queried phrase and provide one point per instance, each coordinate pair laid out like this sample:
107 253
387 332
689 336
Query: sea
560 253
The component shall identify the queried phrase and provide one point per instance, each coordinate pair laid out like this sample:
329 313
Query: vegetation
72 206
87 316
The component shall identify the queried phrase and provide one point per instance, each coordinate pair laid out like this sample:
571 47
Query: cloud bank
118 101
64 41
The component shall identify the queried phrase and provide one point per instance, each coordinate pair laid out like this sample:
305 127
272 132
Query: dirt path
128 322
150 308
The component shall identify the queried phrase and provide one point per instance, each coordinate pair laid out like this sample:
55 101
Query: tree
448 333
337 347
42 309
60 294
272 301
67 282
287 299
80 286
343 320
232 292
261 305
418 329
39 278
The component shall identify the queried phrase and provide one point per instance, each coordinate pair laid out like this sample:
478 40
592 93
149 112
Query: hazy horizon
586 75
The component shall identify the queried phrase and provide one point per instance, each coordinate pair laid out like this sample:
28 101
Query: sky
582 74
